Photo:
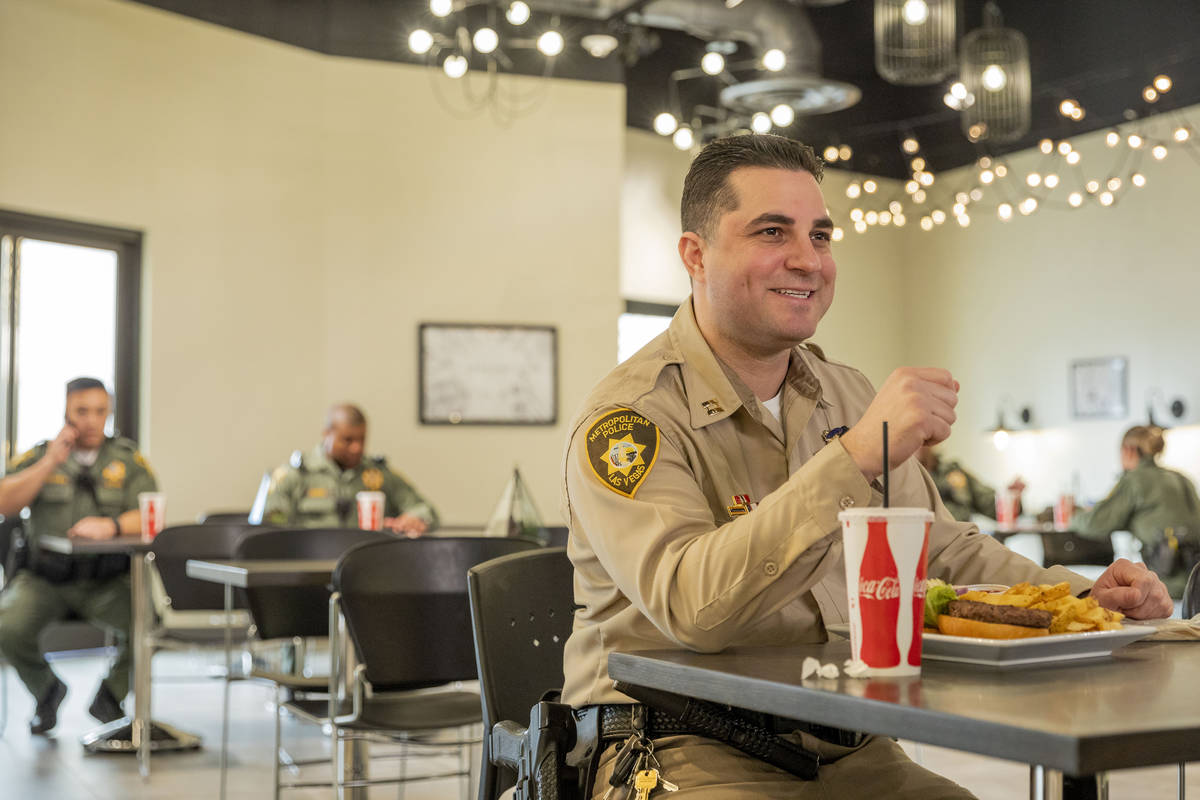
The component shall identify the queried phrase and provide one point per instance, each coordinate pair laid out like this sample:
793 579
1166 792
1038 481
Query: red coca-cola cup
1006 510
370 510
1064 509
884 551
152 506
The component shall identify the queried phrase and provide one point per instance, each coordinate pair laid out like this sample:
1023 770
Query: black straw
885 465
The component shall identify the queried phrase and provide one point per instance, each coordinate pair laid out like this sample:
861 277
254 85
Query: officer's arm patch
622 447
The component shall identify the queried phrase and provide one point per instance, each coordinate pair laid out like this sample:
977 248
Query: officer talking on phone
82 483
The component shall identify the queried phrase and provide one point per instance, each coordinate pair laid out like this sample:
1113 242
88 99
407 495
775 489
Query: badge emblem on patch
114 475
372 479
622 447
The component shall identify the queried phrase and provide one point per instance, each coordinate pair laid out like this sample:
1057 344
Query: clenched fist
918 405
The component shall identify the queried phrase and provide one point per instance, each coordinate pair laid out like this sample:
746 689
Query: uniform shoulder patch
29 455
622 447
277 477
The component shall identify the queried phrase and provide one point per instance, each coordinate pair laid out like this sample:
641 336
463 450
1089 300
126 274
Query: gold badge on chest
113 475
372 479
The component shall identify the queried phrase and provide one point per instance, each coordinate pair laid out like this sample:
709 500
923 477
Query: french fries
1070 614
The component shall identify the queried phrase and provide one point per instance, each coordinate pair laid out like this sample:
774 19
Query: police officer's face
344 444
764 277
87 411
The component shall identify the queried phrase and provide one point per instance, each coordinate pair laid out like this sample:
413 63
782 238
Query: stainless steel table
139 734
1138 708
352 756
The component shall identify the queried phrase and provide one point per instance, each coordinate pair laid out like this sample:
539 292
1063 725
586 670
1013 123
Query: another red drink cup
370 510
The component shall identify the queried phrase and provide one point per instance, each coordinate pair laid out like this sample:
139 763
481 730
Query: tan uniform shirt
700 521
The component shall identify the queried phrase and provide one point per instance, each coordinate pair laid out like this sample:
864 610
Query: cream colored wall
1008 306
302 215
865 326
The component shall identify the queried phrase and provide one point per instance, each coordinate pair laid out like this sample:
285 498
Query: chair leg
278 736
1182 790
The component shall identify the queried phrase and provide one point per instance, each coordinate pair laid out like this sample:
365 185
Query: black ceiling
1099 52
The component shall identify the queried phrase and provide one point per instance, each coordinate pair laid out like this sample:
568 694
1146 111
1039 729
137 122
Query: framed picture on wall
472 374
1100 388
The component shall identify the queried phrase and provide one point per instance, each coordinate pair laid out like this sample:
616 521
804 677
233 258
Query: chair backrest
222 517
173 547
406 609
522 608
282 612
8 529
555 535
1191 593
1064 547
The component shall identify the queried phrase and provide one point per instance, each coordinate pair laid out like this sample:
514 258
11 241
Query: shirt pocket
112 501
55 493
316 506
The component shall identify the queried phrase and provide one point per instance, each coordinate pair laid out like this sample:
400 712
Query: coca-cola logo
886 588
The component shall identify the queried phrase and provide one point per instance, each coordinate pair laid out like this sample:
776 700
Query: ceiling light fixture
1001 112
915 40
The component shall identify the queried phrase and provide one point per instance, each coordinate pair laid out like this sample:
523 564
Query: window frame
128 245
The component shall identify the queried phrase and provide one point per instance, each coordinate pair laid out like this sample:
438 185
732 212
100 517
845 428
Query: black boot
105 707
45 716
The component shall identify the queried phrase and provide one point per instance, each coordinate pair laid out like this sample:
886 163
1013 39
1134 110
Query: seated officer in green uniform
316 490
962 493
83 484
1158 506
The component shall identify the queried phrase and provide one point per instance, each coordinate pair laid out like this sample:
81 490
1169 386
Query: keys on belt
636 770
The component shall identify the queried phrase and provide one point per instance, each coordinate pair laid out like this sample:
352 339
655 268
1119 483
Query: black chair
406 610
555 535
1191 594
522 607
188 610
223 517
294 614
1067 548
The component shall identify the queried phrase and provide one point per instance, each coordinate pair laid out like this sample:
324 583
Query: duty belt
616 722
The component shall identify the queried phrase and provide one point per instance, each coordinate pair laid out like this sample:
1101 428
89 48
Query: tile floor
56 768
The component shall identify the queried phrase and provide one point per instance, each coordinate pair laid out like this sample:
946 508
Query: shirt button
846 502
771 568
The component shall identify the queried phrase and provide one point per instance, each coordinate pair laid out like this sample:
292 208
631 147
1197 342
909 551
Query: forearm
129 522
20 490
702 583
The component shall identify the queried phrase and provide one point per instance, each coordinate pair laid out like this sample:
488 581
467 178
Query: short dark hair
83 384
706 190
346 413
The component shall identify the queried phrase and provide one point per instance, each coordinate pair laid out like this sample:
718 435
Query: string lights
1059 181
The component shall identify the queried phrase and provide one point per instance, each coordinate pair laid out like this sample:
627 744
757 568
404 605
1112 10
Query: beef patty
1006 615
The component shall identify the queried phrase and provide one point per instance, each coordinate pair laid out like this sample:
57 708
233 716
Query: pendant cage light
995 70
914 40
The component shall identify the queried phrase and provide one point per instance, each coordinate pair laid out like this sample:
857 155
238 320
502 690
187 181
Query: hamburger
993 621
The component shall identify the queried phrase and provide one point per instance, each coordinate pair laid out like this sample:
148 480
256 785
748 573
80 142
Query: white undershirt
86 457
773 405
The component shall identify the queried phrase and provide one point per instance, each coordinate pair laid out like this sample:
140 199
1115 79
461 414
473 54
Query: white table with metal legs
352 756
138 734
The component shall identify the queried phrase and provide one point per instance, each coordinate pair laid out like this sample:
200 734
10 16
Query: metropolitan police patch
622 446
